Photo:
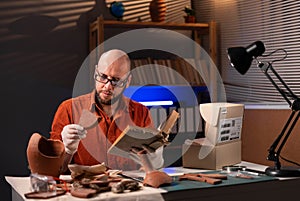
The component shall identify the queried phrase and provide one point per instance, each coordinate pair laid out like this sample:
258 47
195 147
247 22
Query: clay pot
157 10
45 156
190 19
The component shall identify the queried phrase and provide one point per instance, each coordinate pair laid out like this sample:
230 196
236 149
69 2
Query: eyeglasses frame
120 83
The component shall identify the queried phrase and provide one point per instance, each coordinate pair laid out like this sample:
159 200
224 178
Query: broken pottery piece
45 156
87 119
156 179
153 178
77 170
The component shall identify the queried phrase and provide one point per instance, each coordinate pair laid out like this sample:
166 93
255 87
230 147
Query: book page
134 136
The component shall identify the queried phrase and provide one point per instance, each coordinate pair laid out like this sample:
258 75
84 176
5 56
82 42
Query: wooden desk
274 190
282 189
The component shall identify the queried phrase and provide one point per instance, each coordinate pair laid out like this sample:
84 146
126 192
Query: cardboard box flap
211 112
204 145
198 141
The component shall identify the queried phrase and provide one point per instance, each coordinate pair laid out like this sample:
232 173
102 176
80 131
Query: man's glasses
100 77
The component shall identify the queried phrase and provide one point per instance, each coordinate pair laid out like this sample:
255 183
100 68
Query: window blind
276 23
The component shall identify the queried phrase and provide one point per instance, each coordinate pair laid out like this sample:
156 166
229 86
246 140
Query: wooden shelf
137 25
97 31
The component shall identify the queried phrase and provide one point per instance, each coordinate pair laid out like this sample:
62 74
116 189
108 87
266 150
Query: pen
250 173
258 172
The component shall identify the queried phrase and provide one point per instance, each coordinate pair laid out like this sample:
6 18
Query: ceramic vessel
45 156
157 10
190 19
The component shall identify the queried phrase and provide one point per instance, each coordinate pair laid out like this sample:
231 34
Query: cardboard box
200 153
222 143
223 121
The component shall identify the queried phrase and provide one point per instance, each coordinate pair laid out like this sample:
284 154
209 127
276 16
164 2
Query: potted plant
190 15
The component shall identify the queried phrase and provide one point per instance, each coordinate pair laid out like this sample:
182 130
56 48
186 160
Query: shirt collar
124 103
92 106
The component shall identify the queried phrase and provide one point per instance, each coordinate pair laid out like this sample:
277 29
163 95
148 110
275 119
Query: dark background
40 56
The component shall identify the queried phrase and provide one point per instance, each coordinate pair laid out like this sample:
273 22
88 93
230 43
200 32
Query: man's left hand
154 156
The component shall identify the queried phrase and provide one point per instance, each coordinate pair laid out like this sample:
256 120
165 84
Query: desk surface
275 190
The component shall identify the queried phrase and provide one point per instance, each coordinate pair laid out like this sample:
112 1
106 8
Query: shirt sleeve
148 122
62 117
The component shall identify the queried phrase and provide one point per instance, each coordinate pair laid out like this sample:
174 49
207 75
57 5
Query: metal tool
132 178
235 168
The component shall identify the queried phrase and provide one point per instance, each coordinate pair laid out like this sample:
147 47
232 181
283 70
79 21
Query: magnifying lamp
241 59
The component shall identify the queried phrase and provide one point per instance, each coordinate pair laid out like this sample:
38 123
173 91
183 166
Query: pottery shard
86 169
45 156
87 119
156 179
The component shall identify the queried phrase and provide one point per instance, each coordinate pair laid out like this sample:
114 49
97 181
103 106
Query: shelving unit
97 31
199 30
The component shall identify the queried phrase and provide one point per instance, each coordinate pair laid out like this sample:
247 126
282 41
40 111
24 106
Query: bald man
113 111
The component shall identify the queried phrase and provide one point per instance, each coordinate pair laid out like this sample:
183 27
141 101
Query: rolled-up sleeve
62 117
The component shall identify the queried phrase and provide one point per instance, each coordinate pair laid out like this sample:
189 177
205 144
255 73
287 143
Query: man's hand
154 157
71 135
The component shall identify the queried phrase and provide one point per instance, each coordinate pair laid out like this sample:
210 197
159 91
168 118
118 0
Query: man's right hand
71 135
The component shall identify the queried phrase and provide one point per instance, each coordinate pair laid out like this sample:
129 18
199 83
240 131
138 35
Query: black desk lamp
241 59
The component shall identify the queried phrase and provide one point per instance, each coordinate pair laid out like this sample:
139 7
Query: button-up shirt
93 149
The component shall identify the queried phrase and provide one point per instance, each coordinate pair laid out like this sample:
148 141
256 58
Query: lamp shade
242 57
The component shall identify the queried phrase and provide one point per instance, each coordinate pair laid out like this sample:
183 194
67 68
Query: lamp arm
291 122
295 105
289 131
265 67
274 155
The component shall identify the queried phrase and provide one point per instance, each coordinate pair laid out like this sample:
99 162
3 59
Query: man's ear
128 80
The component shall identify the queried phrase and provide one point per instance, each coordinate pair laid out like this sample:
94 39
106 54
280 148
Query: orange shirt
93 149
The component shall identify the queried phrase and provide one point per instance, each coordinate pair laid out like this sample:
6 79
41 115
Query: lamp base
283 172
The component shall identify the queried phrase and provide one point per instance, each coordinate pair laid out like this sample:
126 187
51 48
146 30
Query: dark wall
42 47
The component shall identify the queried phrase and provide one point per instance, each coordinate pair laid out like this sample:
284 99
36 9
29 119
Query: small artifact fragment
87 119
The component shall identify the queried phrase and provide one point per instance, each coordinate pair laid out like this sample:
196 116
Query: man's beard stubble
112 100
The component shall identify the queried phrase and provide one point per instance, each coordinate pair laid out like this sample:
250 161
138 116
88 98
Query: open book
134 136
